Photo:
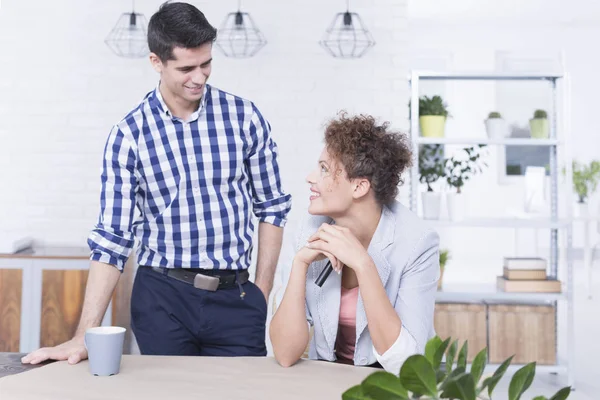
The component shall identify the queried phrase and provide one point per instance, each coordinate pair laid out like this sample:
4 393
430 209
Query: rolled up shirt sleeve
271 203
415 304
112 239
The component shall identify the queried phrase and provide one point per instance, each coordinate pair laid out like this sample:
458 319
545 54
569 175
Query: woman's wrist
364 268
299 264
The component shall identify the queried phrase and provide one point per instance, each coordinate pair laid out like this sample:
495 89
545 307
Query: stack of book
526 275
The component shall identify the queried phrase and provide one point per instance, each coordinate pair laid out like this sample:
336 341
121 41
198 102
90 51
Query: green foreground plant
424 377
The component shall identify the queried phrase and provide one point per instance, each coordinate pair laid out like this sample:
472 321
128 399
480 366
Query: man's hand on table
73 350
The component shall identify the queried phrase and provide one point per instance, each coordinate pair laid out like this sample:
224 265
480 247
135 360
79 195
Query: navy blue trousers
170 317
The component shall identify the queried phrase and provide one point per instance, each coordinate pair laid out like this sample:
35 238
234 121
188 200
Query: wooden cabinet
41 296
10 309
462 322
526 331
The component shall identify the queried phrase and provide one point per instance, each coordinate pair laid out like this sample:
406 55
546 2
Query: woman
378 308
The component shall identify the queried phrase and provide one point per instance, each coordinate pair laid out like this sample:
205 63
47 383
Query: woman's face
331 193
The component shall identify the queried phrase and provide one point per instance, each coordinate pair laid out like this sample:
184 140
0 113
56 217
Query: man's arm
270 203
101 283
110 243
269 247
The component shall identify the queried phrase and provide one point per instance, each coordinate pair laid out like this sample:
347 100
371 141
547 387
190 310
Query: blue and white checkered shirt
195 184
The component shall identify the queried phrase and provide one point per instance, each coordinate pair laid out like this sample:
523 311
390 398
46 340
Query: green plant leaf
521 381
479 363
418 376
562 394
355 393
540 398
451 376
460 387
440 375
385 386
439 354
462 355
450 356
493 380
431 347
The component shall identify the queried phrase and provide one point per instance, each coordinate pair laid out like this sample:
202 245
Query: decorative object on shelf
239 36
424 377
527 275
539 125
444 257
431 169
128 38
535 195
347 36
496 127
585 182
432 116
458 170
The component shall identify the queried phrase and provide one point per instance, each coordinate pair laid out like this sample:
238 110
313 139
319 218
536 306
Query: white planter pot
455 202
431 205
496 128
581 210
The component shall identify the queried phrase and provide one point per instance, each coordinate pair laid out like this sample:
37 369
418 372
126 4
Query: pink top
346 337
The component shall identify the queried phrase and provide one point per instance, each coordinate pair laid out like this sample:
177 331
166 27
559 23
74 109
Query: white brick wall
61 89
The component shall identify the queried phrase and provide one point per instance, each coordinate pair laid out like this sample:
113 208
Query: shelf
475 292
507 222
490 76
486 141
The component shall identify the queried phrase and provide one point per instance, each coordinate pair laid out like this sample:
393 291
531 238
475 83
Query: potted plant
432 116
585 182
444 257
496 127
424 377
458 170
431 169
539 125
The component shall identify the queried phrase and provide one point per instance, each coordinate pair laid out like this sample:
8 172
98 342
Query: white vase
455 203
496 128
581 210
431 205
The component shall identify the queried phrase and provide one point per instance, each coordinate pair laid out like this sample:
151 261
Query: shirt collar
158 102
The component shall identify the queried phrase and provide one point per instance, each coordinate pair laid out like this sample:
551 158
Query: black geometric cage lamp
129 38
347 36
239 36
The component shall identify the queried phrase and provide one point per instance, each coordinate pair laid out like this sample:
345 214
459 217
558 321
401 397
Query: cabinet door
62 300
11 281
462 322
526 331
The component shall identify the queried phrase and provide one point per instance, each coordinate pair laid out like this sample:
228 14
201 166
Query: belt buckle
206 282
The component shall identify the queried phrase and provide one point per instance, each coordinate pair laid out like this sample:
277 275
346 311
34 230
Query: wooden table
10 364
183 378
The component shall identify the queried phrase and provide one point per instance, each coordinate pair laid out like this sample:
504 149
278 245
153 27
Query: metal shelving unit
483 293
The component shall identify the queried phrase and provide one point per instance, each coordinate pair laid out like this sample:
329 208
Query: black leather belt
206 279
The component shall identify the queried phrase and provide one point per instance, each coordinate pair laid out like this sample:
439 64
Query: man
194 162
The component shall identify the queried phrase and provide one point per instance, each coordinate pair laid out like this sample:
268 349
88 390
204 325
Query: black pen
324 274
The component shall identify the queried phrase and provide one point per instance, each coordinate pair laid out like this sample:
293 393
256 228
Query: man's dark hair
178 25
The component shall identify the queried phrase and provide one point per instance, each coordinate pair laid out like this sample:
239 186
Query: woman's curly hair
371 151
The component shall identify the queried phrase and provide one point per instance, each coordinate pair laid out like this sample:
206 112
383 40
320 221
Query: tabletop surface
163 377
10 364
